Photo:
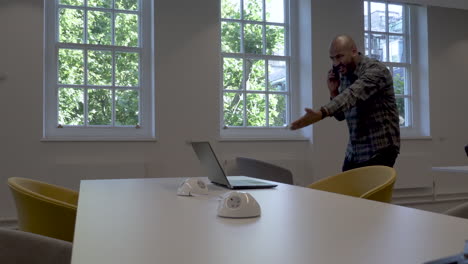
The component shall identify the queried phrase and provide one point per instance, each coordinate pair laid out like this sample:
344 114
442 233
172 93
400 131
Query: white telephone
192 186
237 204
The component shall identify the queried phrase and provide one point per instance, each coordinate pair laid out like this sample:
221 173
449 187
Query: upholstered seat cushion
18 247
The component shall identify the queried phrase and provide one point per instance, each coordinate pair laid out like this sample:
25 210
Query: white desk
462 169
143 221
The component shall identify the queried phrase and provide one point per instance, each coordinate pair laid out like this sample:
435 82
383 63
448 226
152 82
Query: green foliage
256 106
277 107
100 3
99 106
256 110
399 86
100 64
126 30
126 107
232 74
233 109
71 2
253 10
256 77
71 106
126 4
230 9
253 40
230 40
71 23
127 69
99 67
71 66
99 27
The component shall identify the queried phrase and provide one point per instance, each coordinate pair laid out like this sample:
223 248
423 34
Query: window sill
221 139
416 138
96 139
261 134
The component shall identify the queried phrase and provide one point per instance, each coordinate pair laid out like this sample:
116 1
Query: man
364 96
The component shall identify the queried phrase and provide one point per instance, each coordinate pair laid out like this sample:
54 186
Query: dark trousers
385 157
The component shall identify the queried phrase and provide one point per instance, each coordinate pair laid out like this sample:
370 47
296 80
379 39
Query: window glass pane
233 109
99 27
401 109
100 3
366 15
277 76
275 11
255 74
70 106
396 48
230 37
366 43
395 18
71 25
378 45
127 66
71 66
256 114
253 39
230 9
99 107
71 2
377 16
277 109
99 67
126 4
126 30
232 74
253 10
126 107
275 40
399 80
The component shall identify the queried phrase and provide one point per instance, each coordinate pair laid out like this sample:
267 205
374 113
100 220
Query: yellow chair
372 183
43 208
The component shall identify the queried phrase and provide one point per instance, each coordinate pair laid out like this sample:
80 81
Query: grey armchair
19 247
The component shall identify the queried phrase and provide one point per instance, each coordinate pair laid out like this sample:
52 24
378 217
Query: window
387 39
255 64
98 72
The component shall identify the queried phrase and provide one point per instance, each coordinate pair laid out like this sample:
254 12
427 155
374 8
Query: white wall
187 103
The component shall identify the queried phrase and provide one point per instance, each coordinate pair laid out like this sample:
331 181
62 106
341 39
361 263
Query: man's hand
333 82
309 118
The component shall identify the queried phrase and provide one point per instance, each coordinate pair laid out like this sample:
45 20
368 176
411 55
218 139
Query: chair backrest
261 170
18 247
44 208
466 150
460 210
372 182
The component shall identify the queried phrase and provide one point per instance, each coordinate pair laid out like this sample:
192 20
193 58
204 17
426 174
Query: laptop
216 173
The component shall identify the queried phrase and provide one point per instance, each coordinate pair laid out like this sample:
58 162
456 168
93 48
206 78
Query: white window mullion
85 87
267 93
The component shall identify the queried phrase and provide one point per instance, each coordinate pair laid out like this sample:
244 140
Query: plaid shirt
367 100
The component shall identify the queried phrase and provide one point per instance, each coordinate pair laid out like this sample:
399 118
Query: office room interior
187 77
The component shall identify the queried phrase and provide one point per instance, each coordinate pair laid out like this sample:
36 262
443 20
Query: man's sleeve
375 78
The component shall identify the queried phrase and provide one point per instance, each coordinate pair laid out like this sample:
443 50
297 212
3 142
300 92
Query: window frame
52 130
261 132
408 96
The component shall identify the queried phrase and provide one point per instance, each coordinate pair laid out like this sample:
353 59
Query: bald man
361 91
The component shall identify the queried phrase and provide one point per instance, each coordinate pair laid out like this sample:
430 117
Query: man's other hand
309 118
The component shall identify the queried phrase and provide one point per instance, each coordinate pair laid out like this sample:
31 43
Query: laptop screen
210 162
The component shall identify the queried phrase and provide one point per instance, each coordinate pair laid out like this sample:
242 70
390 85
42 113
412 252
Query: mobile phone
336 71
